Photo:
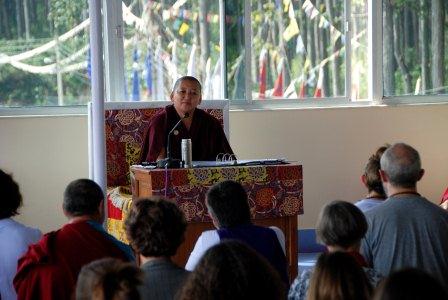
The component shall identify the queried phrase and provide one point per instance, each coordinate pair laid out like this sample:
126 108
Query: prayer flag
318 93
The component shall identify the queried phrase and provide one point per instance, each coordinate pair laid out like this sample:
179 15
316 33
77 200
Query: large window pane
168 39
44 53
298 49
235 50
415 47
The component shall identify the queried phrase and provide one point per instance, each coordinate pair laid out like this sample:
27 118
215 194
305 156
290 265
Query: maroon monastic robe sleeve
154 138
50 268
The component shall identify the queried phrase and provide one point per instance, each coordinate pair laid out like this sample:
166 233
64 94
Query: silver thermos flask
187 155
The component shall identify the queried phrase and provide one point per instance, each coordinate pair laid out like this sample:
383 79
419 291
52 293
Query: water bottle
187 155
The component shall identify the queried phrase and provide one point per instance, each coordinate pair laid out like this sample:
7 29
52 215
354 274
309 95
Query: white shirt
210 238
15 239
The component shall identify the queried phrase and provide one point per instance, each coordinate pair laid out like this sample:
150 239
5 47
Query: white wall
333 144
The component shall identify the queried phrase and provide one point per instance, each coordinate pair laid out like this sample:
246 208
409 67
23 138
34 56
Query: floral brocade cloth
273 191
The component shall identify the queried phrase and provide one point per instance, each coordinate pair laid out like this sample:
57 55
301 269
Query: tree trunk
388 49
5 28
398 52
437 39
27 20
335 63
424 46
323 41
281 45
18 20
204 34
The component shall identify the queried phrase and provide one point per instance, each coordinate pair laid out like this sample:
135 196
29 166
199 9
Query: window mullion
348 50
375 51
113 50
247 51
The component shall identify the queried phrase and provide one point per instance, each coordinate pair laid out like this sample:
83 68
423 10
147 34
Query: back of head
11 197
227 203
82 197
402 165
109 279
155 227
341 223
232 270
410 284
337 276
371 172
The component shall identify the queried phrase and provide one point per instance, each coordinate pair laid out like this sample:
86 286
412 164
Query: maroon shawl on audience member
50 268
206 134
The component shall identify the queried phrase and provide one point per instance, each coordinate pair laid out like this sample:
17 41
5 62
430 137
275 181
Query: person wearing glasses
205 131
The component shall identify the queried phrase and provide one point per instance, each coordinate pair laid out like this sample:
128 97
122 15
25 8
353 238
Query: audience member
15 237
410 284
407 230
232 270
109 279
372 181
228 208
340 226
50 268
338 276
155 228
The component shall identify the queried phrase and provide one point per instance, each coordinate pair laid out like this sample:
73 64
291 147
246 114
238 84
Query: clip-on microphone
169 162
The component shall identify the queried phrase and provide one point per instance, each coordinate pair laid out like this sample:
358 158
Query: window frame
114 69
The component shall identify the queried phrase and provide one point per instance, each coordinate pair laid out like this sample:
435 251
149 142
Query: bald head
402 165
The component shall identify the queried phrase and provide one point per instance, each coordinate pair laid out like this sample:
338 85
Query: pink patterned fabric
125 129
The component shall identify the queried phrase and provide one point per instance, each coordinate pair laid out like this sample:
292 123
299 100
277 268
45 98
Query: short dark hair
410 284
337 275
402 165
155 227
187 78
372 172
109 278
11 197
82 197
341 223
233 270
227 202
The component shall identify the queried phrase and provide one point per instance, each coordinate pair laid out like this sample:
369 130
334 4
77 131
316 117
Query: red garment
50 268
359 258
445 196
206 134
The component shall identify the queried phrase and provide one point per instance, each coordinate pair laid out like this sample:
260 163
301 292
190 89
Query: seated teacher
205 131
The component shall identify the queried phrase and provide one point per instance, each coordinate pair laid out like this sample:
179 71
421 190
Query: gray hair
187 78
402 165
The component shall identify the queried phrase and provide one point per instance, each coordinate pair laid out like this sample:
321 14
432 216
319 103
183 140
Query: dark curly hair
233 270
11 197
371 172
227 202
155 227
109 278
341 223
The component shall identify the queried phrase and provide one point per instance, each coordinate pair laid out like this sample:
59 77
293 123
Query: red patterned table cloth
273 191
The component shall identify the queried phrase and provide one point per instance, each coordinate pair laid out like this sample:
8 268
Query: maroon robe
50 268
206 134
